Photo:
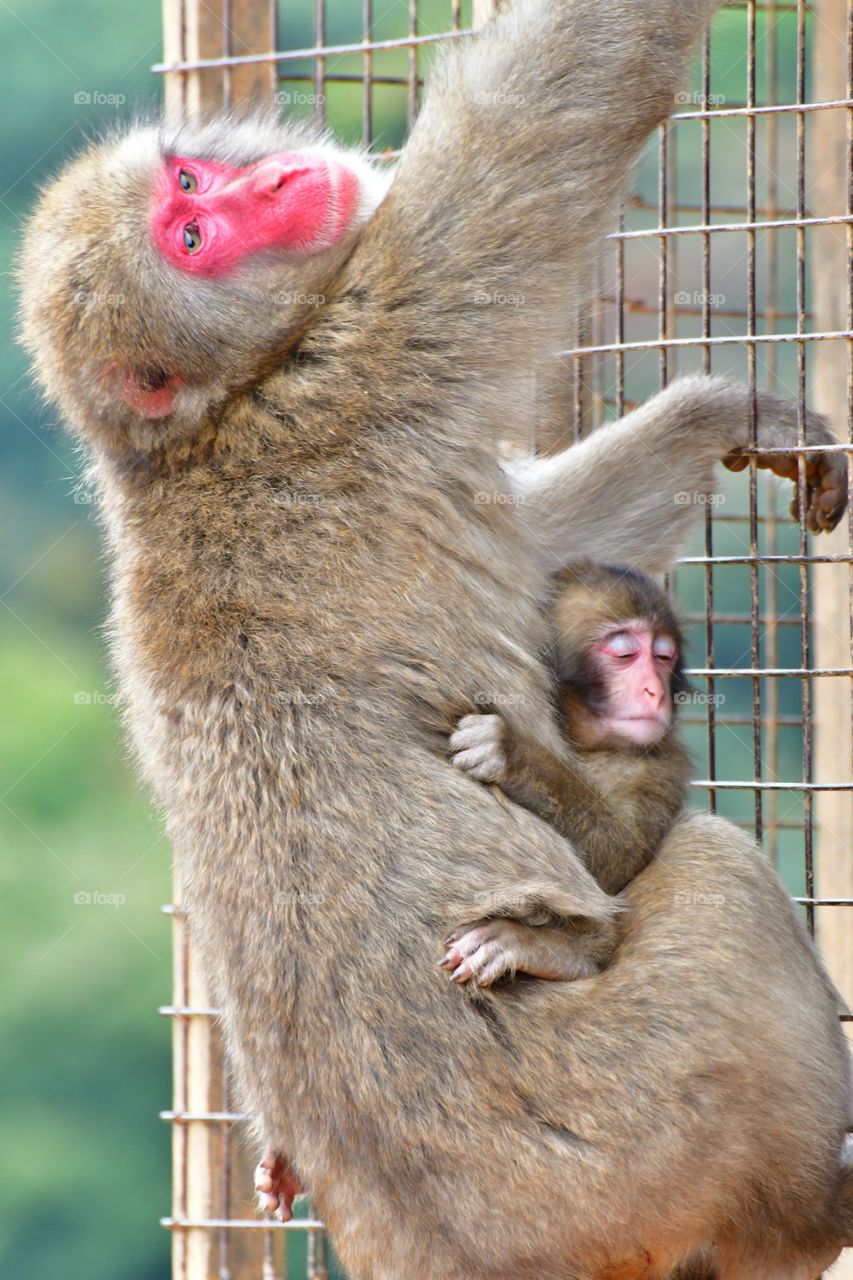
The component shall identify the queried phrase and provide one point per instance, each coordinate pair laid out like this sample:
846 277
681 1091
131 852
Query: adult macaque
290 453
618 661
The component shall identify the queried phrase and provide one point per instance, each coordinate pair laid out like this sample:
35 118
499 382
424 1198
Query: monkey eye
664 648
188 181
192 238
621 644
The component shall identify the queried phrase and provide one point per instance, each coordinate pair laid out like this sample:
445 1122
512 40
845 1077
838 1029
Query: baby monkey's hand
478 745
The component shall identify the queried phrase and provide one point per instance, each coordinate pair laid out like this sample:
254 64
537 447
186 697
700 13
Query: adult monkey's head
164 265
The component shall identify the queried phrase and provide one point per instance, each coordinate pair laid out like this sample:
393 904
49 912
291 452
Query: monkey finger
457 955
471 940
783 465
466 732
823 509
284 1212
471 761
474 730
480 959
830 500
499 967
485 762
736 460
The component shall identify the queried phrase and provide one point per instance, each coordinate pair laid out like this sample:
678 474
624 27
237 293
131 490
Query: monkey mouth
644 730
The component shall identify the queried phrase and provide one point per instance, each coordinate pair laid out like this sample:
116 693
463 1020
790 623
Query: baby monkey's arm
616 834
615 841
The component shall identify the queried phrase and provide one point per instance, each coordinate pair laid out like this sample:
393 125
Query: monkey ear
146 389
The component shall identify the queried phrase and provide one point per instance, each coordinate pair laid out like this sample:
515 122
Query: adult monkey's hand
824 474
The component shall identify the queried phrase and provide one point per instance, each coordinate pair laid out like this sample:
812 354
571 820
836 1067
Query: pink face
206 218
636 664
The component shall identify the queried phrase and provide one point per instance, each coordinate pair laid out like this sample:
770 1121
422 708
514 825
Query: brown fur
307 588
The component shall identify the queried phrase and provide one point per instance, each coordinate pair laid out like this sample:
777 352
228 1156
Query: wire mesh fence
732 256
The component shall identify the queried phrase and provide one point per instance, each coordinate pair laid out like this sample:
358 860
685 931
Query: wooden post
196 29
197 1073
832 583
830 162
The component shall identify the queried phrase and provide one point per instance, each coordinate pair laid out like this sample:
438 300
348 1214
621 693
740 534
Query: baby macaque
618 660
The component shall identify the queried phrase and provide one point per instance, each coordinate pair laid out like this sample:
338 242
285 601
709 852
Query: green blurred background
84 949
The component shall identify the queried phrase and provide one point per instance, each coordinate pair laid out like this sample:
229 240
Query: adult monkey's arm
632 490
514 172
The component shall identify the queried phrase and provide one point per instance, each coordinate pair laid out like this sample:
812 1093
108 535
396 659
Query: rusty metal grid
712 268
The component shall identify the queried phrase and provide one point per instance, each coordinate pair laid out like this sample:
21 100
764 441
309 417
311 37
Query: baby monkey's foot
277 1186
478 745
490 949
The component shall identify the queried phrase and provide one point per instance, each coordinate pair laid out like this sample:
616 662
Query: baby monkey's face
634 664
632 696
618 657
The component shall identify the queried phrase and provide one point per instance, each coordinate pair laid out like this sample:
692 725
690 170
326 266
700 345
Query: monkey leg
493 949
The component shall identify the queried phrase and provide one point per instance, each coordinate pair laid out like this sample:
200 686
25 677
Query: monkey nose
656 693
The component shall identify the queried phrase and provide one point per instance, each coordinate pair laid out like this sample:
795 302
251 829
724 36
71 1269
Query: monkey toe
478 964
276 1187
